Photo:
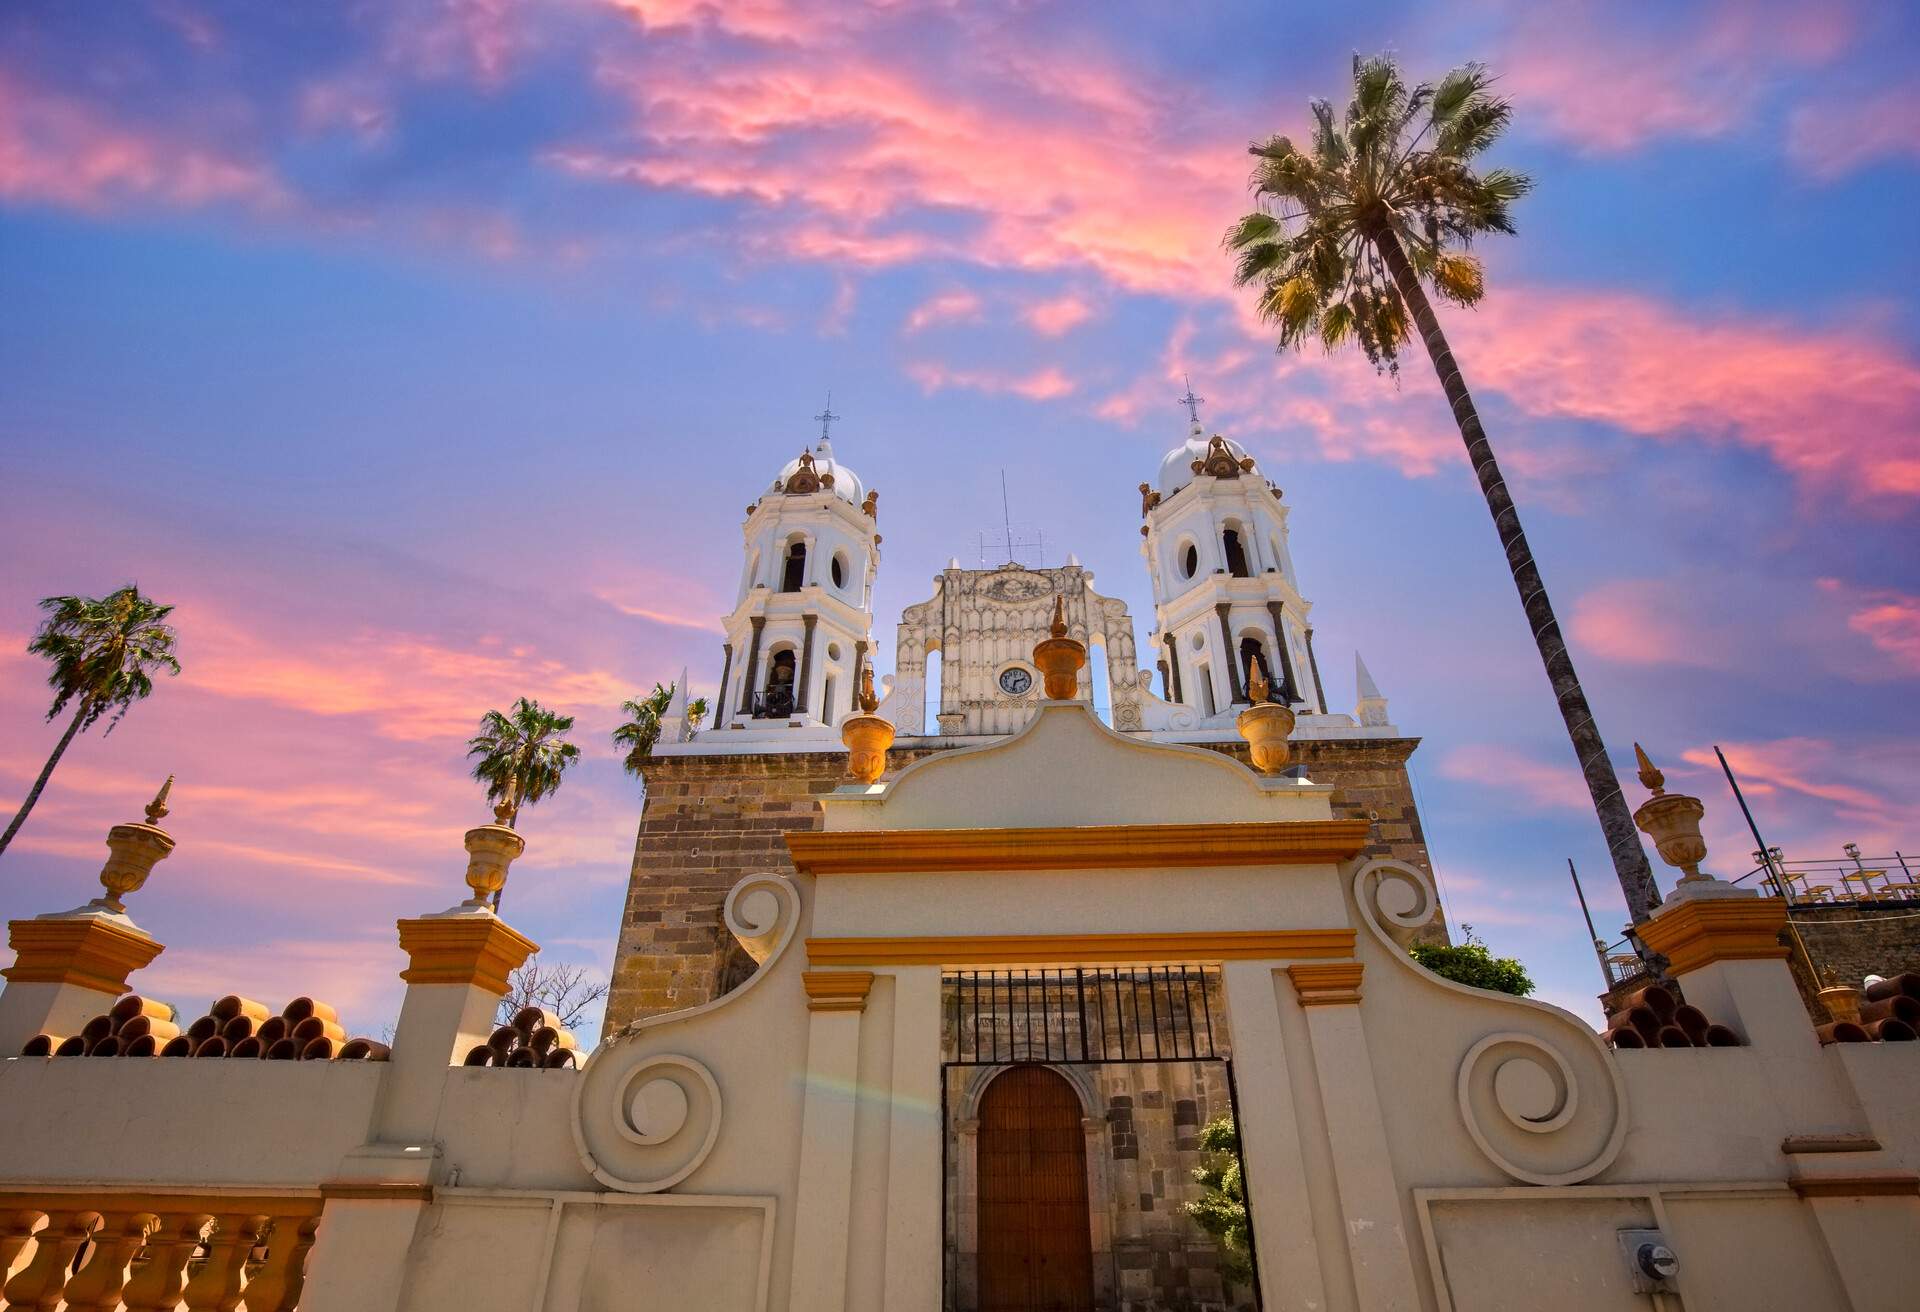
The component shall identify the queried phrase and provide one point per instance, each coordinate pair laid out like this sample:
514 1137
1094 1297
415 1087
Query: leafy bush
1469 962
1222 1211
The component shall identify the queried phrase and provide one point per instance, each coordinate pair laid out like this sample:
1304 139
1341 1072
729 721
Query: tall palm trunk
1616 823
39 785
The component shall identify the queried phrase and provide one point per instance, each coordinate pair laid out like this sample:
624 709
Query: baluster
97 1285
38 1285
276 1286
16 1228
157 1286
216 1286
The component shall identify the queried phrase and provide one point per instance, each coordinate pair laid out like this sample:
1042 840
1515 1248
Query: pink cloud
57 150
1838 411
1832 138
1799 765
1609 81
1541 783
1057 316
1887 618
1046 384
959 306
851 147
1646 622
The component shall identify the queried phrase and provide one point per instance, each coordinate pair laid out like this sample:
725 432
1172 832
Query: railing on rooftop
1850 880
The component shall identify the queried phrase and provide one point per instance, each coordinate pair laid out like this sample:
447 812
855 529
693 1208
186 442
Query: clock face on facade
1015 681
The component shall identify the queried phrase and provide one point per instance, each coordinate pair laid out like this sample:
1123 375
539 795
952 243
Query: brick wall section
709 820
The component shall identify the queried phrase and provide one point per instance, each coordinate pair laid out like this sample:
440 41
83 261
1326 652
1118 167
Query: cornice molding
1092 847
1699 933
1201 946
1322 983
837 990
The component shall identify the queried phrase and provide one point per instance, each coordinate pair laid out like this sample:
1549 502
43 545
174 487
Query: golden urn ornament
490 850
136 848
1060 657
1672 821
866 735
1265 724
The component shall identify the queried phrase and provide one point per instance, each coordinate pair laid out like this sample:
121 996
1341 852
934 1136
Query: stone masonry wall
708 820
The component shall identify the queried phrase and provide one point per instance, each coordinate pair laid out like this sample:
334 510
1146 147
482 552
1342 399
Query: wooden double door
1036 1239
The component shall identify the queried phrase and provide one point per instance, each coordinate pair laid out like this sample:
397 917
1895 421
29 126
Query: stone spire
1371 707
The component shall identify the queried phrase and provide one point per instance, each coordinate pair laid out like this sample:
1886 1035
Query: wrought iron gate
1073 1016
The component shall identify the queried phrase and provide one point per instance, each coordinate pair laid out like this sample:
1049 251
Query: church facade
1027 1012
1226 600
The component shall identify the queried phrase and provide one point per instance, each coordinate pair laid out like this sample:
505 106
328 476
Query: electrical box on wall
1650 1261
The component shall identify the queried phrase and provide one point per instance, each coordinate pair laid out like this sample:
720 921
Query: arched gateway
1036 1251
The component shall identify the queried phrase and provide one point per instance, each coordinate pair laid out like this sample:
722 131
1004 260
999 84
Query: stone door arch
1036 1246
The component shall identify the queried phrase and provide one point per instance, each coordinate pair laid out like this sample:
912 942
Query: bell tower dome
802 622
1224 591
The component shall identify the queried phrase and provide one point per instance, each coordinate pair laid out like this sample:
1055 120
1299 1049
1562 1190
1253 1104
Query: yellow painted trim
108 1198
1070 949
87 952
1323 982
1093 847
480 951
1695 934
837 990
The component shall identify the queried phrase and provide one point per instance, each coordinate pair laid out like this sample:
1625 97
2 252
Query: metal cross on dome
827 416
1190 401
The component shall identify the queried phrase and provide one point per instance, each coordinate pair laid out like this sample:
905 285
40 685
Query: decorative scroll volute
1540 1095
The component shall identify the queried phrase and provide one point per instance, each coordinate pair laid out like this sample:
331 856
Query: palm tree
1352 230
522 754
104 651
642 727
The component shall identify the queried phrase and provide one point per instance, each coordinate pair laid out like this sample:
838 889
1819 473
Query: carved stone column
1229 653
803 694
720 698
1289 686
759 622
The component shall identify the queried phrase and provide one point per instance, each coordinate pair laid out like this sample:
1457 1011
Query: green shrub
1222 1211
1468 962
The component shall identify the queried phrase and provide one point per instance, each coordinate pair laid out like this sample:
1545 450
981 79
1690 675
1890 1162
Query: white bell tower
803 622
1224 590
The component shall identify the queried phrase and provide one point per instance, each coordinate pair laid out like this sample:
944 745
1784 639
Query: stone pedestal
67 969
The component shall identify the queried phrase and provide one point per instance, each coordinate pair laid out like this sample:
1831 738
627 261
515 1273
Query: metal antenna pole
1774 877
1006 512
1766 858
1599 949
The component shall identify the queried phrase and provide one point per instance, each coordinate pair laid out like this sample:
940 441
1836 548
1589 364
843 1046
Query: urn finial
1060 657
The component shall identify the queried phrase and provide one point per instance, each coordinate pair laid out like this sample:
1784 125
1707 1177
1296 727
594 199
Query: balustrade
154 1252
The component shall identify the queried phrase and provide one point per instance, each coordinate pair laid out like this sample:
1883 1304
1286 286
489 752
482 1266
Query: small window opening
780 685
796 572
1236 554
1190 562
1203 675
839 571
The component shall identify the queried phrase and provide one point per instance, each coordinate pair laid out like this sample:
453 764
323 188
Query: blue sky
426 355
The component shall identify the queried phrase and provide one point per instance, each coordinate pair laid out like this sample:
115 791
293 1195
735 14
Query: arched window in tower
1190 561
1253 655
778 702
795 575
1236 553
839 569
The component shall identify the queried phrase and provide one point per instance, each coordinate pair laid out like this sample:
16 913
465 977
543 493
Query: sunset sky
426 353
